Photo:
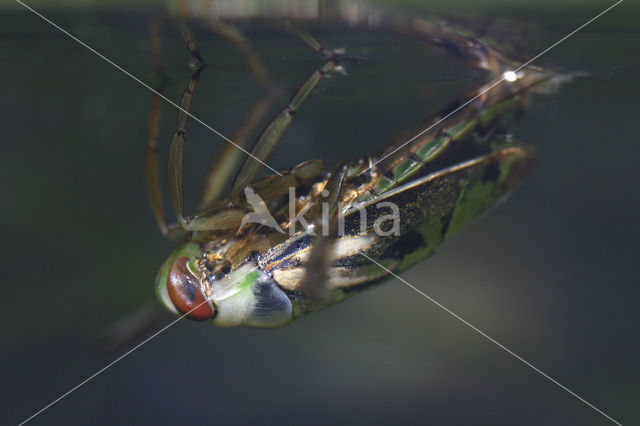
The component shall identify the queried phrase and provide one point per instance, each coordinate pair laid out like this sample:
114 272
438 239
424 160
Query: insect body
329 230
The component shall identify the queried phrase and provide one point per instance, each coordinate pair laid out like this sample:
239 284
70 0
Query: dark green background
551 274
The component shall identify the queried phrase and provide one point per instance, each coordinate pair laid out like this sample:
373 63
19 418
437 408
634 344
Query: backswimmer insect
236 265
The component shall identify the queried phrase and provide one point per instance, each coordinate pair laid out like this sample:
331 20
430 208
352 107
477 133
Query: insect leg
256 66
131 327
226 163
272 134
179 141
187 36
152 164
152 175
454 40
316 274
226 217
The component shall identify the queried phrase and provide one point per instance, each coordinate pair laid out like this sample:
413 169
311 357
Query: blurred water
551 273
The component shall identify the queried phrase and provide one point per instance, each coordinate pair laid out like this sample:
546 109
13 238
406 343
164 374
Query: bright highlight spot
510 76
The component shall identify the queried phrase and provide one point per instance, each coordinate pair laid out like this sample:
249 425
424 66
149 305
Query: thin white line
500 345
122 356
150 88
569 35
257 159
496 83
104 368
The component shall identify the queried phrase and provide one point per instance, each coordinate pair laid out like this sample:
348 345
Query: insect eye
185 291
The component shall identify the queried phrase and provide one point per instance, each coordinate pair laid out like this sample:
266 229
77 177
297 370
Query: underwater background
552 273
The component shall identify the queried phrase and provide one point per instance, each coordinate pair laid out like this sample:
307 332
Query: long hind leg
176 153
152 163
218 219
225 165
152 174
230 217
146 316
273 132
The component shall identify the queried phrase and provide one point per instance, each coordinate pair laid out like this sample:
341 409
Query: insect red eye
186 293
